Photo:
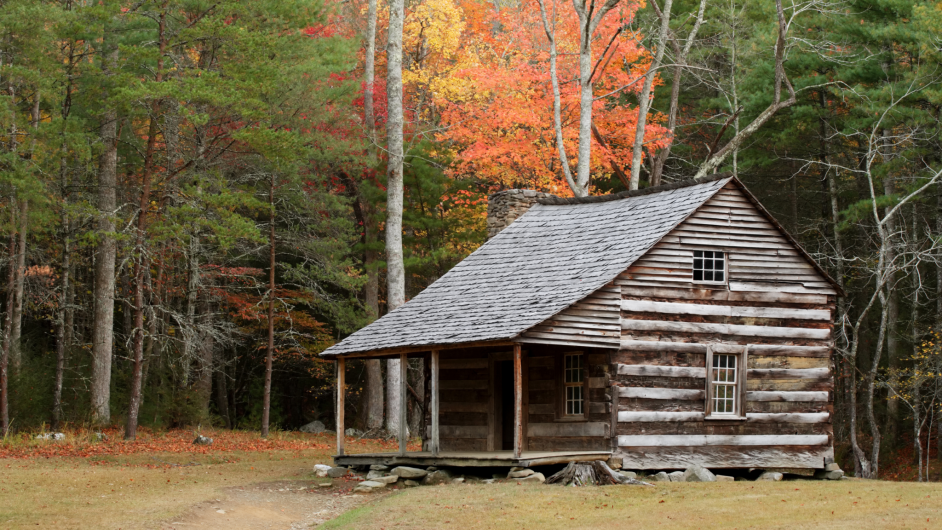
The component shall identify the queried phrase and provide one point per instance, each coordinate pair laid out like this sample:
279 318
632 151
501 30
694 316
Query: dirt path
282 505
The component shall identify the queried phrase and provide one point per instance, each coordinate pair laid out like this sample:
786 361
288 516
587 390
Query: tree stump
595 473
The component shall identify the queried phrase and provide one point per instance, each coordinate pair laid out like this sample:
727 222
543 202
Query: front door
504 375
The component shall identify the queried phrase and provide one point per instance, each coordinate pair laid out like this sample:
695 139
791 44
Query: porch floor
472 459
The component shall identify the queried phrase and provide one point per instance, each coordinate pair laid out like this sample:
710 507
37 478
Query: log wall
464 383
775 302
547 428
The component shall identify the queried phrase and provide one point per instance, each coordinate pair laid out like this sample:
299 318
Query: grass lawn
137 484
852 504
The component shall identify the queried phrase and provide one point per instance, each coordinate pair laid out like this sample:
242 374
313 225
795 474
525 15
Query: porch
501 405
471 459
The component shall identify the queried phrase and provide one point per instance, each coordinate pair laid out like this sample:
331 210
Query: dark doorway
504 373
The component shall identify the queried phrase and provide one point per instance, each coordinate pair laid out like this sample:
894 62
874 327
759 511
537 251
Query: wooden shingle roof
548 259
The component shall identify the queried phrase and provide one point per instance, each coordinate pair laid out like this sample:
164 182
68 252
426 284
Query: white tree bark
550 30
589 20
395 268
644 99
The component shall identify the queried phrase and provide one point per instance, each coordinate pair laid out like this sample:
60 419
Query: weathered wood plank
403 399
564 429
463 364
435 445
462 431
659 393
625 416
786 396
786 417
704 440
800 457
725 329
341 393
461 406
788 373
518 401
700 347
651 416
724 310
797 288
660 371
474 384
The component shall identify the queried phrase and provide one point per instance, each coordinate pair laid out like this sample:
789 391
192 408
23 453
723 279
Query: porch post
403 403
434 367
518 403
341 390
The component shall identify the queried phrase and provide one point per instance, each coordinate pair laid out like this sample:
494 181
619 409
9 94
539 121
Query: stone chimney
504 207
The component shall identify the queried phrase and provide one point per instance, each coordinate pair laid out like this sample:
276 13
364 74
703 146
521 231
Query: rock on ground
203 440
389 479
832 467
536 477
368 486
315 427
437 477
520 474
459 480
337 472
628 474
409 472
661 477
321 470
697 473
725 478
375 474
379 467
410 483
768 475
829 475
676 476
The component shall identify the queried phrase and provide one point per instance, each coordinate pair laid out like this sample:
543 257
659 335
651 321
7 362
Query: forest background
199 196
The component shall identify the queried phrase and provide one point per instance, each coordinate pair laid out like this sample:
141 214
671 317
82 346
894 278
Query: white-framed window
723 373
573 385
709 266
726 384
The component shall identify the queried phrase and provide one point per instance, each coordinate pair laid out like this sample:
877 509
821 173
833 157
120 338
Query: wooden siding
463 400
547 429
592 322
774 302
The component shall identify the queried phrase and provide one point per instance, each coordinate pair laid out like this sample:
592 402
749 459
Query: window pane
698 276
718 276
698 263
698 253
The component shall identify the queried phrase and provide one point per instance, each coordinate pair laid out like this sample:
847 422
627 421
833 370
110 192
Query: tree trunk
62 344
893 311
7 326
16 351
577 190
395 275
369 71
644 99
204 381
222 392
270 353
103 317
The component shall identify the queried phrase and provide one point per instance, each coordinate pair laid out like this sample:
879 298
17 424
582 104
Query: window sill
725 418
571 419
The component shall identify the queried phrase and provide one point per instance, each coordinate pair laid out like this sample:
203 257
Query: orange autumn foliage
497 111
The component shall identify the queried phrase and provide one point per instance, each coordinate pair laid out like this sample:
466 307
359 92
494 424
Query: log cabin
658 328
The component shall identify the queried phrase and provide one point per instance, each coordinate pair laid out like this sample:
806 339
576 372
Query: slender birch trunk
270 352
7 327
16 351
395 275
644 98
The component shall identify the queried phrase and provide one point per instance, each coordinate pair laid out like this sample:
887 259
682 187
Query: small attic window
709 266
